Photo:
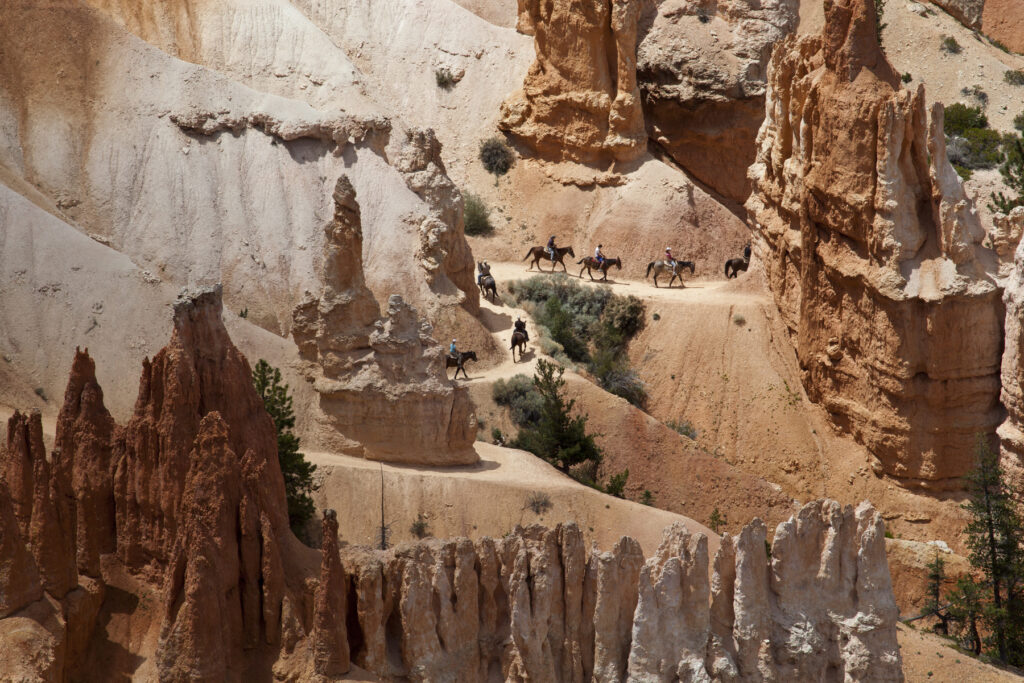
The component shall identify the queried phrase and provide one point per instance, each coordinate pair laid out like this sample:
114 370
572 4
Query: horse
457 363
518 341
484 280
660 266
591 262
736 264
540 252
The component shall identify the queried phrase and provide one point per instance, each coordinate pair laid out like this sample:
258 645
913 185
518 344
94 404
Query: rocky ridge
374 372
187 498
873 253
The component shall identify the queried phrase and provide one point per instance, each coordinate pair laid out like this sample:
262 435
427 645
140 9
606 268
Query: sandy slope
488 499
927 658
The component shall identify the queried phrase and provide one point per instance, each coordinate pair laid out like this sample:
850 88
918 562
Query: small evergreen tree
716 521
933 602
617 484
994 536
298 474
557 437
965 612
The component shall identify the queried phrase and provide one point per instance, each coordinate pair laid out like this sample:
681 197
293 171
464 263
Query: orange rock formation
872 251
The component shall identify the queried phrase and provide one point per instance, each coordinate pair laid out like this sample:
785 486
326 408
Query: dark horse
518 341
485 281
591 262
457 363
539 253
660 267
736 265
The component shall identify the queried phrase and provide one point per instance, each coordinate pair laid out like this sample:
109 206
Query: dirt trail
719 360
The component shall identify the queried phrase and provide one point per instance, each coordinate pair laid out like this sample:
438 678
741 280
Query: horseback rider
485 270
670 260
746 252
520 326
452 351
599 255
551 248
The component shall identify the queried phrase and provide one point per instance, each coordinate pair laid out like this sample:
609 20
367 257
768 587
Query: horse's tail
727 269
649 266
693 267
581 260
529 253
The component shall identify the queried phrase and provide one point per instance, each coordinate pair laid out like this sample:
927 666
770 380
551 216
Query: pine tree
298 474
1012 171
994 536
965 612
557 437
933 602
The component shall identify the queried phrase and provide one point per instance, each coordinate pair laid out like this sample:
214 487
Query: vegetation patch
1014 77
539 502
445 78
420 528
589 326
496 157
477 216
950 46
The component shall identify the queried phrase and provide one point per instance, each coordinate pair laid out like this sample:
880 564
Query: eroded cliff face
702 70
1007 233
373 372
580 100
184 506
872 252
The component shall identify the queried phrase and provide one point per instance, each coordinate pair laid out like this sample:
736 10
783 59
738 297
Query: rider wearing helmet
452 351
599 255
669 259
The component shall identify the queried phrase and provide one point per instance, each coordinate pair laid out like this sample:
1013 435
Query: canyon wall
1001 20
872 252
1011 432
178 520
372 372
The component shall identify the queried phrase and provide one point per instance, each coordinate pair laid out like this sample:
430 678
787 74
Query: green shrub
1014 77
496 157
997 44
959 118
977 148
907 78
1012 171
497 437
539 502
520 395
1018 122
685 428
298 474
617 484
976 92
964 173
950 46
445 78
716 521
647 498
477 215
420 528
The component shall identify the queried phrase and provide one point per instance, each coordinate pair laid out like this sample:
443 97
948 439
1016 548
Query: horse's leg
655 279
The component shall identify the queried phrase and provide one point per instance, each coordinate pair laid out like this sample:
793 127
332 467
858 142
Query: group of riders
552 250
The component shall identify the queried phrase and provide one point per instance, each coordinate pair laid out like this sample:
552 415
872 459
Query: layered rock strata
702 72
872 252
376 372
237 597
580 99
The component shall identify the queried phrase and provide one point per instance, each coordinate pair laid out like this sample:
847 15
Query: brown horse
660 266
734 266
518 342
485 281
457 363
591 262
539 253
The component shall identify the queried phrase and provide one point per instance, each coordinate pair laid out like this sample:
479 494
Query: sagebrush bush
539 502
496 156
520 396
1018 122
420 528
950 46
445 78
617 484
1014 77
477 215
907 77
685 428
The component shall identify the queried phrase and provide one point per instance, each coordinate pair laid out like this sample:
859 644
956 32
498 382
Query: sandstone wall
872 252
580 99
375 373
1001 20
1011 431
